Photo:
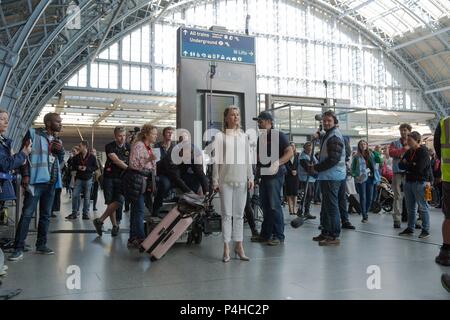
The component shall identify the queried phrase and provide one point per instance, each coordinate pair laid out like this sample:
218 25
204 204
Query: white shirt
232 159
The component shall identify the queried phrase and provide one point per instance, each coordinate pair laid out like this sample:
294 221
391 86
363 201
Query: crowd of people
136 174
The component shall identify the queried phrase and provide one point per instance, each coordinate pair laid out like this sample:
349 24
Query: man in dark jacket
84 163
331 172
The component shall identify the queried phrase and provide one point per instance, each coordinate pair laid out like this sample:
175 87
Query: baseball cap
264 115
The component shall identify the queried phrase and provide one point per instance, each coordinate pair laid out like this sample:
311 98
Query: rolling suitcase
173 226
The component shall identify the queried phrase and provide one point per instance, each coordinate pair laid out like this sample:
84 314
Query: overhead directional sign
218 46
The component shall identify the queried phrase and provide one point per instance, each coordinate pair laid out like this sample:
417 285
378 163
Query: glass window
114 51
82 77
136 46
94 75
126 77
145 85
135 76
126 48
113 76
103 75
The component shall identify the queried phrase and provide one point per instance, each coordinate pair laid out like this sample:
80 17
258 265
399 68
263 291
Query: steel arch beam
38 53
18 43
358 26
41 73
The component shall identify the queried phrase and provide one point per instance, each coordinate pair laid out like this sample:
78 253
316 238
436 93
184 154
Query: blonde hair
225 114
146 129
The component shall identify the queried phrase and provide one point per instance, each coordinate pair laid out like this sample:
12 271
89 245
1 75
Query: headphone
331 113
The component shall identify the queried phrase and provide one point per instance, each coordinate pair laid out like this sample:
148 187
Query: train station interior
108 66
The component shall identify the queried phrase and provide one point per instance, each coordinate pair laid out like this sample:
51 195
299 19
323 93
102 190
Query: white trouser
232 199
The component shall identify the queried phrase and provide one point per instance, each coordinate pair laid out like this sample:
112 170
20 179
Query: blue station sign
218 46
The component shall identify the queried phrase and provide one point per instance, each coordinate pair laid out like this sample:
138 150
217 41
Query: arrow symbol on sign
227 44
185 32
251 53
185 53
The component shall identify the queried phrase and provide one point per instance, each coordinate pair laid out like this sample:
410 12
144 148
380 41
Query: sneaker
273 242
364 220
3 271
397 225
85 217
259 239
418 226
406 232
98 226
320 237
443 258
115 231
71 216
329 242
133 244
16 255
348 225
309 216
255 233
44 250
424 235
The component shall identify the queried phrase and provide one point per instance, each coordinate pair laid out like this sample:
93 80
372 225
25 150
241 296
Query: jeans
249 214
44 194
57 201
365 191
343 203
85 187
308 194
94 194
414 195
361 188
329 212
137 218
163 188
317 193
370 184
273 218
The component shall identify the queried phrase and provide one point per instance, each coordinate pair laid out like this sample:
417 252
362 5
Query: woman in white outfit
232 176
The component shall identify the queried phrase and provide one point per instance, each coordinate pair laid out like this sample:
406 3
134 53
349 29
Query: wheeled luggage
172 226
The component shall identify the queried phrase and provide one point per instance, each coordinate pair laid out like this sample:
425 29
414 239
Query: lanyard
149 150
413 155
82 160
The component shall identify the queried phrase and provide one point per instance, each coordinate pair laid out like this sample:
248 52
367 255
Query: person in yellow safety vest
442 148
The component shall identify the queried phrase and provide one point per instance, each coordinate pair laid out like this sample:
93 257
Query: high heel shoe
226 258
242 257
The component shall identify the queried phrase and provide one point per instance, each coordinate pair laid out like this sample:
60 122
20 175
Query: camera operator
331 172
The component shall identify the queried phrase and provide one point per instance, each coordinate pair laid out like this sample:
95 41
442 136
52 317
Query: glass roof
396 17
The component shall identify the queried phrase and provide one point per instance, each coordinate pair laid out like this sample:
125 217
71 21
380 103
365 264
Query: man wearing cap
273 151
331 172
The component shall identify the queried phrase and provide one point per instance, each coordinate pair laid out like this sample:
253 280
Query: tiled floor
298 269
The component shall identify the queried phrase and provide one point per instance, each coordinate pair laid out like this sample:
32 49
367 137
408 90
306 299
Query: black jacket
335 147
134 183
417 165
89 161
